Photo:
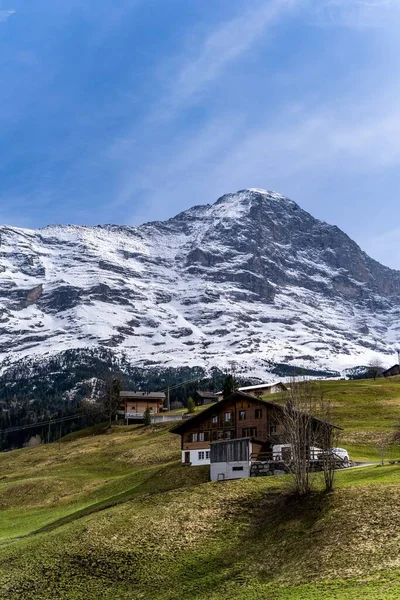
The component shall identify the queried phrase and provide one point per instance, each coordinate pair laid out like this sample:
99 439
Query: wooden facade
134 404
395 370
203 398
239 416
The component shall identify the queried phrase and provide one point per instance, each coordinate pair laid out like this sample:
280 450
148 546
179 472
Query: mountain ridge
250 280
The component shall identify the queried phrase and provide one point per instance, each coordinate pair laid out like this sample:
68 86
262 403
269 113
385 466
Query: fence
161 418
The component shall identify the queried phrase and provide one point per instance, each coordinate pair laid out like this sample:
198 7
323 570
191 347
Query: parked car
342 454
284 452
338 454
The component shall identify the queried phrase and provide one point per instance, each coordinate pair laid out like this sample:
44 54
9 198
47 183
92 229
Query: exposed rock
250 279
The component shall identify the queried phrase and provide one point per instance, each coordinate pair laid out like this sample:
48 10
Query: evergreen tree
229 387
191 405
147 416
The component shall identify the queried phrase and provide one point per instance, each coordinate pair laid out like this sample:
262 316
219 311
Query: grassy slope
365 409
121 519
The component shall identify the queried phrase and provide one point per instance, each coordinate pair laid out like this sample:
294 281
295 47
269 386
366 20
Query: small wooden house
134 404
203 398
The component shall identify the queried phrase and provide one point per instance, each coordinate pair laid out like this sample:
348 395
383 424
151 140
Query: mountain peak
243 200
250 278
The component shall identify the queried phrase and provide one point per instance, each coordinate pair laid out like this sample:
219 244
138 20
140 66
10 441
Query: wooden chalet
134 404
202 398
239 416
395 370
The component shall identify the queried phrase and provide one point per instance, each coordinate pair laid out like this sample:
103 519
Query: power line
49 422
177 385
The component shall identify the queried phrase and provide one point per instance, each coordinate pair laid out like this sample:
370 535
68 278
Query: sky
135 110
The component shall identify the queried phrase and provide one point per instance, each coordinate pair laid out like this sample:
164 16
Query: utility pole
48 434
169 381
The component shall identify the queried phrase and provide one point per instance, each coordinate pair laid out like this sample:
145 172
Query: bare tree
299 434
307 425
111 400
375 367
383 443
328 437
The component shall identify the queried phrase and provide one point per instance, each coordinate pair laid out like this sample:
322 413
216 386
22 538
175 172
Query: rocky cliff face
250 280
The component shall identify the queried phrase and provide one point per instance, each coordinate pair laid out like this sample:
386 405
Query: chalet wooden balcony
157 418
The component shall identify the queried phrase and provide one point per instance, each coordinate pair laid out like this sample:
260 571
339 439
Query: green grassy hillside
116 516
366 409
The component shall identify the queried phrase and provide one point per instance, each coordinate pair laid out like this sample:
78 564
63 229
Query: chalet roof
203 394
143 395
391 369
182 427
259 386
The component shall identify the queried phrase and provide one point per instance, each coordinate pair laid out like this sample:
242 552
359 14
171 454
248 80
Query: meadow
112 514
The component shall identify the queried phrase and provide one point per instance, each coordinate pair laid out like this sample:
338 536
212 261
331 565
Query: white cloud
222 46
5 15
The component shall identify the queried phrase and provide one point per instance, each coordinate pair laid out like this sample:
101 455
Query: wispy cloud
354 13
222 46
5 15
189 78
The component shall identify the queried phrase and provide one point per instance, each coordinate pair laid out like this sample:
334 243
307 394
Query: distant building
201 398
261 389
395 370
134 404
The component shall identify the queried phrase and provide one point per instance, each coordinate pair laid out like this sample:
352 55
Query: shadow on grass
263 538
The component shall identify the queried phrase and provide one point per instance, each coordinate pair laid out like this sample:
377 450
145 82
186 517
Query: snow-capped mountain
250 279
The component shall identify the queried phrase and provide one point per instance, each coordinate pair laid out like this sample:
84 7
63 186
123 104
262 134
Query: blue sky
133 110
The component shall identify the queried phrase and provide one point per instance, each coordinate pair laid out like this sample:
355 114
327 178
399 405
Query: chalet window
201 437
215 435
201 455
258 413
214 419
272 428
207 455
192 437
227 434
220 435
227 416
242 415
237 468
249 432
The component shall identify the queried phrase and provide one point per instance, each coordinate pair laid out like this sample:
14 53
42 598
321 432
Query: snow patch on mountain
249 279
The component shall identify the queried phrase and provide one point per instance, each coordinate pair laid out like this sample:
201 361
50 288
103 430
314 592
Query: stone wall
264 468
